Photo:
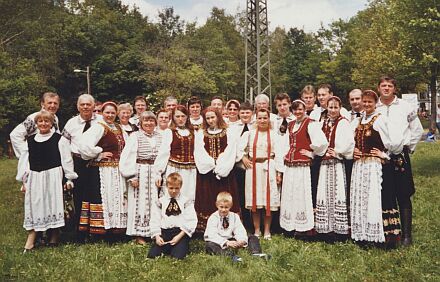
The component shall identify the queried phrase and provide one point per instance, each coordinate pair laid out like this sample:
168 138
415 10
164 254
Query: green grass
292 259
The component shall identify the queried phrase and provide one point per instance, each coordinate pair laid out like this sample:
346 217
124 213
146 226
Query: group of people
224 171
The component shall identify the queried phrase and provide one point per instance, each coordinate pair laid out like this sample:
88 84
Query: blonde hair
174 178
125 106
43 114
224 197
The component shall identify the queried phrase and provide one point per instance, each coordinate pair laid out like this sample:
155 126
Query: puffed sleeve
156 215
344 140
204 162
23 166
163 155
392 144
19 134
346 114
318 140
240 233
211 232
66 160
127 162
226 160
242 146
189 218
416 128
88 140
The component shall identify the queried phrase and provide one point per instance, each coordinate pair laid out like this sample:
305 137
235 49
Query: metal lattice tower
257 62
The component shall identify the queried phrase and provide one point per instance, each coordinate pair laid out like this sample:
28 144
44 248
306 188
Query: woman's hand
357 154
377 153
23 188
106 155
246 162
279 178
306 153
134 183
330 152
158 183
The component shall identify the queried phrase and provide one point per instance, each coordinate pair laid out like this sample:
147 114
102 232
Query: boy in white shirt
225 232
173 221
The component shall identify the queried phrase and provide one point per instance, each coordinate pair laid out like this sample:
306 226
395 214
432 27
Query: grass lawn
292 259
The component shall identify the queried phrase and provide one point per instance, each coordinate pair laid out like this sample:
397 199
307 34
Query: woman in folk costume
136 165
40 168
232 107
259 153
105 207
176 153
304 140
194 105
331 201
373 210
215 159
124 113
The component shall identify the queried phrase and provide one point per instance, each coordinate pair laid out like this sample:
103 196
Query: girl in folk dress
105 206
176 153
304 140
372 139
331 200
259 153
215 159
136 164
40 168
163 120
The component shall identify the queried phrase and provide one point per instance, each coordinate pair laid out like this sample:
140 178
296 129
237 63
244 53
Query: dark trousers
314 177
178 251
80 187
245 213
253 247
348 170
400 175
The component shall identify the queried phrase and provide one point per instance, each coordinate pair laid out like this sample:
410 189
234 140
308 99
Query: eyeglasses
96 111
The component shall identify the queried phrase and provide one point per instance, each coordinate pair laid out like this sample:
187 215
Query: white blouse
225 161
87 143
23 168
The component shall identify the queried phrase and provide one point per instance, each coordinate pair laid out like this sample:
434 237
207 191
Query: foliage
291 259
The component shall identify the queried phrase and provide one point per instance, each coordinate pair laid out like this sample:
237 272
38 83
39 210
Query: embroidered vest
112 141
298 140
329 129
367 138
182 148
215 144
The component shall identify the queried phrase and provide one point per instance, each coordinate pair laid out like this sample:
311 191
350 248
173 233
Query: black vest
44 155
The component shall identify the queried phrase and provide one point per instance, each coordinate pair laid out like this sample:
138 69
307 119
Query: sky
305 14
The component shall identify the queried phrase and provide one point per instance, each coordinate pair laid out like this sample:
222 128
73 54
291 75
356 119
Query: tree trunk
433 87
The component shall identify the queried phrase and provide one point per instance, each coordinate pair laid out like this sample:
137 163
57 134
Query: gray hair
262 96
169 99
147 115
355 91
86 97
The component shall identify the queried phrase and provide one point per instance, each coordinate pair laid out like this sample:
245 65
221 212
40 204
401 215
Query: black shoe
406 222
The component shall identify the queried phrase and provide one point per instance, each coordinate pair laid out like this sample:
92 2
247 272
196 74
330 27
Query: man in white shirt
404 126
71 134
320 113
355 99
50 102
245 124
285 116
308 95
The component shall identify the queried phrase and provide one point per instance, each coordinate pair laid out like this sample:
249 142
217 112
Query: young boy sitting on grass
225 231
173 221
